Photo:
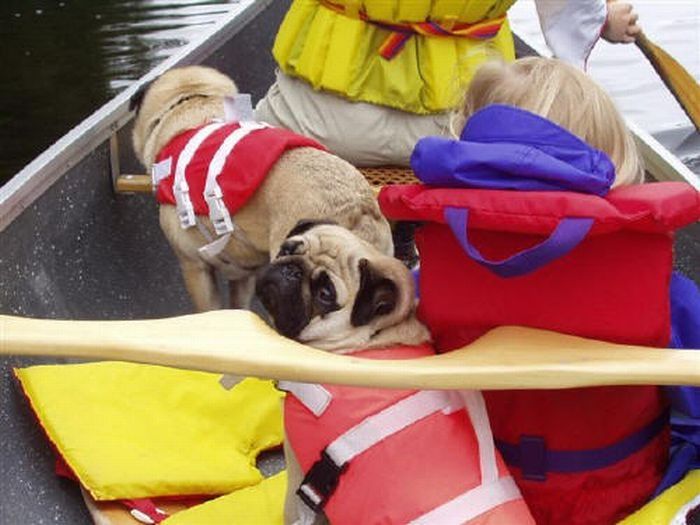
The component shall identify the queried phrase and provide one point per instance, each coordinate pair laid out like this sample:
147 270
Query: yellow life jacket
671 506
261 504
335 46
129 431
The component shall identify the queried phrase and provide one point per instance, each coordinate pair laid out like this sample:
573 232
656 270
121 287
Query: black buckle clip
320 482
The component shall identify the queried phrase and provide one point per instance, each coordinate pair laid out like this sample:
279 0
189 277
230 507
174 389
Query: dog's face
179 99
331 290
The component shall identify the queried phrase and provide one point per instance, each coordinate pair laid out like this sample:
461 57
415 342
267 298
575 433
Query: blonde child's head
564 95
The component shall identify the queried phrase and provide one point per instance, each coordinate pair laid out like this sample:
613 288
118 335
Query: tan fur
305 183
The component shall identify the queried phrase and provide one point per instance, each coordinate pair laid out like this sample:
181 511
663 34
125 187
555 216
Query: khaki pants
361 133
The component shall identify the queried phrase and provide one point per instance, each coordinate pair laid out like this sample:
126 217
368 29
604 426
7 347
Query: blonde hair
564 95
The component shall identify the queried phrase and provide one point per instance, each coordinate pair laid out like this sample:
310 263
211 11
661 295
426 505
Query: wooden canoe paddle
238 342
682 84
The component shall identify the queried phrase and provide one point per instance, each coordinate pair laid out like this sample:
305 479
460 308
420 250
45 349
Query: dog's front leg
292 503
241 292
294 478
201 284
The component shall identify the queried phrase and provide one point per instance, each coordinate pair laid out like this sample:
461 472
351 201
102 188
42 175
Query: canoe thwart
377 178
133 184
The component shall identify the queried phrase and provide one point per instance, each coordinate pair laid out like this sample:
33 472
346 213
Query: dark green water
60 60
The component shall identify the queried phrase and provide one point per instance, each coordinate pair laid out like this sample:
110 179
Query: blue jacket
685 400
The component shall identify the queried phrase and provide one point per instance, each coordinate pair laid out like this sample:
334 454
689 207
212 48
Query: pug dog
303 183
331 290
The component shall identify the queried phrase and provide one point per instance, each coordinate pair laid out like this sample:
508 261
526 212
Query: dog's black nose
268 294
279 288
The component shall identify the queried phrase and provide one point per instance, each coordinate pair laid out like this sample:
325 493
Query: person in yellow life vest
368 78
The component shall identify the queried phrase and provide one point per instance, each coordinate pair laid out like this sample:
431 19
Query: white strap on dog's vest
313 396
238 108
389 421
160 171
218 213
181 189
210 251
472 503
476 408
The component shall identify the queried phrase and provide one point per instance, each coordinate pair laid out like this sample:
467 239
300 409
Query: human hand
621 23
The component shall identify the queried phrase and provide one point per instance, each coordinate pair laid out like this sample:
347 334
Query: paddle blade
682 84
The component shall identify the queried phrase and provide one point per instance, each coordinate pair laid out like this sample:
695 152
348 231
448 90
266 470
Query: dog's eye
324 292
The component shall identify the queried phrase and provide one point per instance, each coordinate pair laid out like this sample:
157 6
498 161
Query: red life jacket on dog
216 168
399 456
582 455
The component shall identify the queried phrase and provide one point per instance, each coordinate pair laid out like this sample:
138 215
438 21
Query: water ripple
63 60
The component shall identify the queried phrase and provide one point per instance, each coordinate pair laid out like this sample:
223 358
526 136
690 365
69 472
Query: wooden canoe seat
133 184
377 178
385 175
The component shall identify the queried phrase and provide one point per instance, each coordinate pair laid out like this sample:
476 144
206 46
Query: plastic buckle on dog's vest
320 482
160 171
218 213
185 210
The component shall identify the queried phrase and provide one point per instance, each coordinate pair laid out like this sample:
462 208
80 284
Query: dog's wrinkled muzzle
280 289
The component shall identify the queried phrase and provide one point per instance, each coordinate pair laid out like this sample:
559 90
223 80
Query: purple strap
565 237
535 460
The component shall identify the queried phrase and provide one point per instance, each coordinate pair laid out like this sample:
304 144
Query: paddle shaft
238 342
681 83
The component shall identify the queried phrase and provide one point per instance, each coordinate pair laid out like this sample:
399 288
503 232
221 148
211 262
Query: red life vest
582 455
220 164
399 456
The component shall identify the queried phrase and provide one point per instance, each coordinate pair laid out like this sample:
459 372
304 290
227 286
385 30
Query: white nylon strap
210 251
218 213
160 171
204 231
181 189
476 408
238 108
314 397
472 503
389 421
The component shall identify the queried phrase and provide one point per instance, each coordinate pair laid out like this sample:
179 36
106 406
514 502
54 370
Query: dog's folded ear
378 295
137 98
305 225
